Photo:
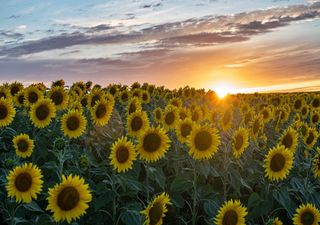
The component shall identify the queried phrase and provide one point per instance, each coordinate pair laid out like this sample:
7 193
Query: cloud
208 30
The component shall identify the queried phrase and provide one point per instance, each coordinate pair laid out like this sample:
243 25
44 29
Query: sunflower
15 88
73 124
19 98
156 210
183 129
289 139
256 126
304 129
157 113
304 111
59 97
137 92
137 122
177 102
240 141
315 103
124 96
311 137
101 112
7 112
298 104
314 117
23 145
306 214
203 142
195 114
276 221
134 105
42 112
183 113
69 199
153 144
31 95
170 117
316 164
278 163
266 114
145 97
226 119
186 92
247 117
122 154
24 182
232 212
4 92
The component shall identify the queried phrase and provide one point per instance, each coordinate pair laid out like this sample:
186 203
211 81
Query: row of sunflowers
85 154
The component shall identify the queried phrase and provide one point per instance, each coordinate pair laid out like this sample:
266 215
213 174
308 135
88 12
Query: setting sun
222 90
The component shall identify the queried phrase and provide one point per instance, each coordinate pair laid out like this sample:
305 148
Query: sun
222 90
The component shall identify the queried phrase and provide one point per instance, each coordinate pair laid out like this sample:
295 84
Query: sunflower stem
194 199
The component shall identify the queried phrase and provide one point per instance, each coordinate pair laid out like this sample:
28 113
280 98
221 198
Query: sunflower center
155 213
304 130
230 218
14 90
151 142
68 198
277 162
23 182
101 111
158 114
185 129
3 112
84 102
316 103
265 114
136 123
42 112
73 123
33 97
132 108
182 115
203 140
310 138
297 104
20 99
122 154
124 96
256 126
315 118
307 218
169 118
57 98
304 111
144 97
287 141
22 145
239 142
3 95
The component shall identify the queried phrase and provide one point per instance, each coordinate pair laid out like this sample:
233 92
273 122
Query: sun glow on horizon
223 89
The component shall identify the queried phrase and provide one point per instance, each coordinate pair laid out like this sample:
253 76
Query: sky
243 45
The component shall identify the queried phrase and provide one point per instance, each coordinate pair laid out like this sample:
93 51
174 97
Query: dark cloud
10 34
195 31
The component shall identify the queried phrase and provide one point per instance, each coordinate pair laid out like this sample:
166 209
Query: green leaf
157 175
44 219
283 198
180 183
131 217
33 207
103 199
253 200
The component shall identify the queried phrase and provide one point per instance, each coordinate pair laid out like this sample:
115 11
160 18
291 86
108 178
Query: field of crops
142 154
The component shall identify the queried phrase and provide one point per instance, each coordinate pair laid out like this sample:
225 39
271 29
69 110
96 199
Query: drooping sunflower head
134 105
316 164
73 124
23 145
7 112
42 112
183 129
69 199
231 212
226 119
31 95
24 183
278 163
306 214
59 97
170 117
311 137
203 142
153 144
101 112
240 141
155 211
137 123
289 139
157 113
58 83
256 126
122 155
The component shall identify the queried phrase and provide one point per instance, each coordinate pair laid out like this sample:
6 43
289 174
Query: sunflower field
143 154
